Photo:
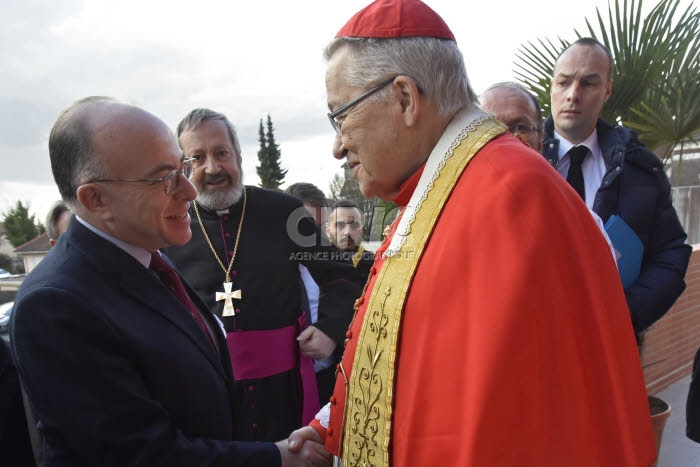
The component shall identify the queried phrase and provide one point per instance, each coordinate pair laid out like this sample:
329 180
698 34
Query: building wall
686 200
670 344
31 260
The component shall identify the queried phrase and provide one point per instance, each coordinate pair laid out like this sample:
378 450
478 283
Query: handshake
304 447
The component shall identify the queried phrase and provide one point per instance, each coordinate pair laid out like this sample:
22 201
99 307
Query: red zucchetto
396 18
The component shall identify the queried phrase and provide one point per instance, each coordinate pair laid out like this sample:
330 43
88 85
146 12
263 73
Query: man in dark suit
15 445
345 228
615 174
122 361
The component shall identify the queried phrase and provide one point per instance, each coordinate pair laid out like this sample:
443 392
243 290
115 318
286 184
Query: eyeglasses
343 109
170 180
521 128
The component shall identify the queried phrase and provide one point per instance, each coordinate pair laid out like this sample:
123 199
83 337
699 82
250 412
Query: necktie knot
577 154
159 264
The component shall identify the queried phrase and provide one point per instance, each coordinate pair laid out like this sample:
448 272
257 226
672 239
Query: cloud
166 56
246 59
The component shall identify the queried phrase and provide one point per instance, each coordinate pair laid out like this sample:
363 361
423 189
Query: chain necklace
227 294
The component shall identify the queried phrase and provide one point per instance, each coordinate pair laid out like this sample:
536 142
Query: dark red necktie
172 281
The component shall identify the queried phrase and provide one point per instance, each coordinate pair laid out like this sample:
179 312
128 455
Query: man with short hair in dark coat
620 176
15 447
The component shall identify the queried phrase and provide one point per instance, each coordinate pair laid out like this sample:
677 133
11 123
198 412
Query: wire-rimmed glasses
170 181
343 109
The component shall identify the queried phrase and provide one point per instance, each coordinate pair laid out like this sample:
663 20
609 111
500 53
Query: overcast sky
243 58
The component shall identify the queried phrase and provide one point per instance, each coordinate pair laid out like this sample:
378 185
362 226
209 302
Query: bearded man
243 259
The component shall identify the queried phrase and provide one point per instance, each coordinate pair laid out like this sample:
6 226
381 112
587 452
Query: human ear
410 98
90 197
608 90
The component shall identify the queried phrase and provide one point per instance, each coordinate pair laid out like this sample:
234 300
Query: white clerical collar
141 255
442 151
591 143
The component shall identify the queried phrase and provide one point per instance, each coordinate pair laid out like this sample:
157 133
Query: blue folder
628 248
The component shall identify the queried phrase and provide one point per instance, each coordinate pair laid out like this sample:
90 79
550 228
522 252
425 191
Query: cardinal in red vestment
493 330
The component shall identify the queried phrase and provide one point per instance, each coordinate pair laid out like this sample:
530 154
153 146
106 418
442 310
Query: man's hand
304 448
315 344
306 433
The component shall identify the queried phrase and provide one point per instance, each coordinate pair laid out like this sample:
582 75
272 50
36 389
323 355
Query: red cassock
516 346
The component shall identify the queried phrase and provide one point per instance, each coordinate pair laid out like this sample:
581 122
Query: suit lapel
136 281
150 291
216 326
218 333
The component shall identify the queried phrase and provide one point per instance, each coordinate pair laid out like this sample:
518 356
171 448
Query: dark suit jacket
118 372
15 446
636 188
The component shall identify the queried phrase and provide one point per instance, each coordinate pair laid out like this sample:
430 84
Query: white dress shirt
312 292
593 167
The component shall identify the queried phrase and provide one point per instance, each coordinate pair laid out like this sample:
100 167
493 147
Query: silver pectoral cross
227 295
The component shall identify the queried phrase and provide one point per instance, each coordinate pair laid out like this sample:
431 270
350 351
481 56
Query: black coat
636 188
277 236
117 370
15 447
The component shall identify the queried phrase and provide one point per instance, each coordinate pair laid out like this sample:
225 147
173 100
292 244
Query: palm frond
656 86
536 68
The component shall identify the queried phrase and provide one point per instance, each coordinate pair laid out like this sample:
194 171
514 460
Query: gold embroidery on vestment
368 409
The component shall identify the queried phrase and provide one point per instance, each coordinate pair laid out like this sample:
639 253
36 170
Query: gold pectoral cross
227 295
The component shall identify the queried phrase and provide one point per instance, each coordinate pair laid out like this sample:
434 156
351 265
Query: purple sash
259 354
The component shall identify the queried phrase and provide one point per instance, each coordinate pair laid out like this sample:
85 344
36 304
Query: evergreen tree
20 227
270 171
262 153
336 187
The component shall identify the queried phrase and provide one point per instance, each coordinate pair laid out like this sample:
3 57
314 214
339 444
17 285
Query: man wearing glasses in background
57 221
516 108
122 361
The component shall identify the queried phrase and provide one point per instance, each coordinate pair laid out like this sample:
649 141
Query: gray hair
198 116
436 65
71 147
525 92
55 213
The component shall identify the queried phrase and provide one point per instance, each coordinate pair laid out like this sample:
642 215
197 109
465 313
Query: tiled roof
38 244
